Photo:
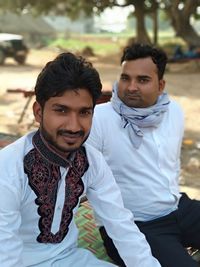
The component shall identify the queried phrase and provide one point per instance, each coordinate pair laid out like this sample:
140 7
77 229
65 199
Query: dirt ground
182 82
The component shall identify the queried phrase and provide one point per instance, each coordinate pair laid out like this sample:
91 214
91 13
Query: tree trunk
184 30
141 33
154 16
155 26
180 20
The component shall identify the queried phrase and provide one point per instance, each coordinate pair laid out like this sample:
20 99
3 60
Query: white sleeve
11 245
95 138
104 195
181 127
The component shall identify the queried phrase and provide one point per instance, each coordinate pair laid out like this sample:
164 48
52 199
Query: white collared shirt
148 177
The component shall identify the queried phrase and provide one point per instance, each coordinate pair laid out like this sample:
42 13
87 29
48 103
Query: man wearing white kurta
45 173
140 135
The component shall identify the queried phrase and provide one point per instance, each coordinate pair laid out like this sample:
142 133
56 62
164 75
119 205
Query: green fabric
89 236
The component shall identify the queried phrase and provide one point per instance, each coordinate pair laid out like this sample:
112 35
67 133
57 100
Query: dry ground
182 82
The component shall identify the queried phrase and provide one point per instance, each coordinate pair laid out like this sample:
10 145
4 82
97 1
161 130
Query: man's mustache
70 133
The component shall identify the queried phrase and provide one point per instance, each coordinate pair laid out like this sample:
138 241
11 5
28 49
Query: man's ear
37 111
161 86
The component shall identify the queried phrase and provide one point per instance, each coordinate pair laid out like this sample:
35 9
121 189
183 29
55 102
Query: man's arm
104 195
10 244
180 124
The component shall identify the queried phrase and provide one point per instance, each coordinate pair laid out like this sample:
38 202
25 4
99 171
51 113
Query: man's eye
60 110
86 112
124 78
143 80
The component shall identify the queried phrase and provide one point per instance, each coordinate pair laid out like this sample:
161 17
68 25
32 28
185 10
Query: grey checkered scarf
137 118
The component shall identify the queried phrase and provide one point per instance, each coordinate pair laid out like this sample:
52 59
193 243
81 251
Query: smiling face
65 121
139 85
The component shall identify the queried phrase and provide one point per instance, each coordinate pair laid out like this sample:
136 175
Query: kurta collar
49 154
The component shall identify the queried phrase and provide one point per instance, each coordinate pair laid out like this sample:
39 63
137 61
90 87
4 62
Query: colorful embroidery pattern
44 177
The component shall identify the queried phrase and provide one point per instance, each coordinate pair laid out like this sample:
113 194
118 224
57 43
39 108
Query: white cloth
19 217
138 118
148 176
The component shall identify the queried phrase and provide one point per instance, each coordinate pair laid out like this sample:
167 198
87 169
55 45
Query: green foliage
70 7
143 8
105 44
99 46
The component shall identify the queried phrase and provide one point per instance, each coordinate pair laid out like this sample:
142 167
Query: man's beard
48 138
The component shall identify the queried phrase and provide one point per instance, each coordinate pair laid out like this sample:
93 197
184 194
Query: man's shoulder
175 106
104 111
16 149
92 152
11 160
94 156
104 107
95 160
175 116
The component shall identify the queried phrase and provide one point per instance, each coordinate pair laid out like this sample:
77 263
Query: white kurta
148 176
19 217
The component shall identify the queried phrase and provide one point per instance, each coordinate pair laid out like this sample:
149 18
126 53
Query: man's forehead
72 99
142 66
142 60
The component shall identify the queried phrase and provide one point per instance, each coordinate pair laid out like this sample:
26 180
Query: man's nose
133 86
73 123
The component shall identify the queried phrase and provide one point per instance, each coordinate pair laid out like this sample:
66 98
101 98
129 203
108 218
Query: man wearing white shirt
44 174
140 134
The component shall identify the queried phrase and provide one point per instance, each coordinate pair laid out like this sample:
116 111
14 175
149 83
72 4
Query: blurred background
33 32
102 25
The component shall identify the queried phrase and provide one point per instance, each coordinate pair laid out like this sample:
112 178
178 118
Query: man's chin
63 148
68 149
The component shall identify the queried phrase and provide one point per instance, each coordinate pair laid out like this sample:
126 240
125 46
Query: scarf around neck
42 166
137 118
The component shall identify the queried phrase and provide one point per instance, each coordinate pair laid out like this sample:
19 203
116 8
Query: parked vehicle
12 45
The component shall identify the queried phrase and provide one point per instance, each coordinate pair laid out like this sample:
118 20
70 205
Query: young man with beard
44 174
140 134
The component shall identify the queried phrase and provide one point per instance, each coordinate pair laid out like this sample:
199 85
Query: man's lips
69 135
70 138
132 96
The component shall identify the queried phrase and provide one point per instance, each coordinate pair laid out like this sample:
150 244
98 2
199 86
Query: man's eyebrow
86 108
144 76
89 107
56 105
59 105
124 75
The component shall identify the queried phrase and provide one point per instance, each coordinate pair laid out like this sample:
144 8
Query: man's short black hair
138 50
67 72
